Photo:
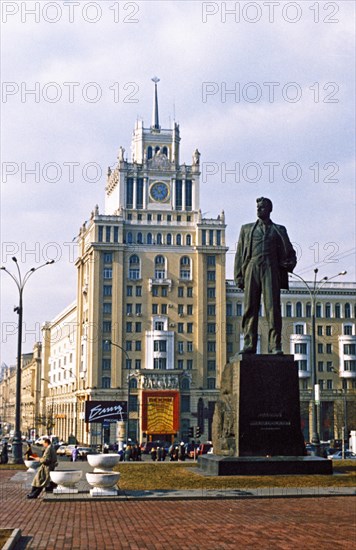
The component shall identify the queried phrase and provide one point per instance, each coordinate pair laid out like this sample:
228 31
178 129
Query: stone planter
104 462
103 483
66 481
32 466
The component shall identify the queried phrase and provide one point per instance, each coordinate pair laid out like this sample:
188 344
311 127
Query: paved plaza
278 523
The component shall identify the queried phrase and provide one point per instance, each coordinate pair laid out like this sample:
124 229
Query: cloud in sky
171 40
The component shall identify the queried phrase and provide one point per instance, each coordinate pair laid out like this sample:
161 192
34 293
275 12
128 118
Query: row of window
160 268
159 217
347 330
298 311
327 310
158 239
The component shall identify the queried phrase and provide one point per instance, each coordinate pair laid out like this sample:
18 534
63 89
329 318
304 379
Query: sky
264 90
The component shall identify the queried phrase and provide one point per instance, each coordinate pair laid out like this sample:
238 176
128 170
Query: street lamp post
128 386
20 283
313 293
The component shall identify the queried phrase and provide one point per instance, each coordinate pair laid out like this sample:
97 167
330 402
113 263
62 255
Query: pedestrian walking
75 454
154 454
48 463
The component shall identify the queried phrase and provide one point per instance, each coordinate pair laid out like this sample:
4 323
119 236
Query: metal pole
315 435
17 441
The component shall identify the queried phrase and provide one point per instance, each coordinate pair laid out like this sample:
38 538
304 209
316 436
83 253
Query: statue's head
264 207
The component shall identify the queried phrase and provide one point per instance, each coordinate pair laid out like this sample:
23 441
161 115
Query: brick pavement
265 524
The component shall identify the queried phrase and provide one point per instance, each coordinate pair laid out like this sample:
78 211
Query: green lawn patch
163 476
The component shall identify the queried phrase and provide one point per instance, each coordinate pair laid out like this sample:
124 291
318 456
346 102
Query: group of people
175 452
131 452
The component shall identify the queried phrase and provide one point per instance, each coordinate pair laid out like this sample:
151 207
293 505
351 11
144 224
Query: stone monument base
264 466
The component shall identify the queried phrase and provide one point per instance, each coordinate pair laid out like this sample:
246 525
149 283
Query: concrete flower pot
66 481
103 483
103 462
32 465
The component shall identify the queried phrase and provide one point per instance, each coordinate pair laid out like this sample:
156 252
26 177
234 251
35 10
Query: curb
133 498
11 542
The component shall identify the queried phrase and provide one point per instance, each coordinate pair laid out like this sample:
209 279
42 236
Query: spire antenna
155 117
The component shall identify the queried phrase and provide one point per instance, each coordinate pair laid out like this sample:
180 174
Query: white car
338 456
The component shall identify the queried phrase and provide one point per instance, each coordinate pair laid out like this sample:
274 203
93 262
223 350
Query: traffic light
197 431
191 432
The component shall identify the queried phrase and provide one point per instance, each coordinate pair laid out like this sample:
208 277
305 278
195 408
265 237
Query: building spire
155 117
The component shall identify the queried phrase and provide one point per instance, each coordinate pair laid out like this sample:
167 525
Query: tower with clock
151 280
153 178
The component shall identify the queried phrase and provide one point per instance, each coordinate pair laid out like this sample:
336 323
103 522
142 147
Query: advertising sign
105 411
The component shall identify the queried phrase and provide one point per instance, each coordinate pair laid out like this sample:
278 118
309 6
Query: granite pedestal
256 426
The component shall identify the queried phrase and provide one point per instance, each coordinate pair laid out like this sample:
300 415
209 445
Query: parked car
338 456
69 449
204 448
61 451
189 449
83 452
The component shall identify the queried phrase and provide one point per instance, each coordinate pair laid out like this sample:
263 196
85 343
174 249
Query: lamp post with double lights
314 291
20 282
128 385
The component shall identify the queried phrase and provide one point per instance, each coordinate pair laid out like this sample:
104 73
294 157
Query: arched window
188 240
165 151
134 267
157 149
308 310
347 311
149 238
159 238
185 384
328 310
149 152
337 311
129 238
318 310
298 309
179 239
160 267
139 238
133 383
185 271
169 239
288 309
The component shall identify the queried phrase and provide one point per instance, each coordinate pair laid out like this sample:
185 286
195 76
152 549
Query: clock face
159 191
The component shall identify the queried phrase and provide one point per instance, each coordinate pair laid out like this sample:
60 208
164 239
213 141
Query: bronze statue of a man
263 259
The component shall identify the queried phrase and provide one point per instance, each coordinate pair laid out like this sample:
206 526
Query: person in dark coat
154 454
4 453
263 259
29 453
48 463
